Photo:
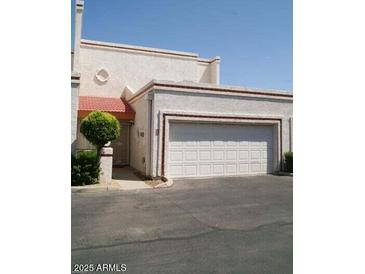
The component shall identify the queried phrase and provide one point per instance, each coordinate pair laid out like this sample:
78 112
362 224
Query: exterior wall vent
102 75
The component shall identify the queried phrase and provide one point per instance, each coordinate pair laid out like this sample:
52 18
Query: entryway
121 146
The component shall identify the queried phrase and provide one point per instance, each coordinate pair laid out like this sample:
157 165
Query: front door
121 146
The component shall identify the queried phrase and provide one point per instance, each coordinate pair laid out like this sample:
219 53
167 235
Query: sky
253 37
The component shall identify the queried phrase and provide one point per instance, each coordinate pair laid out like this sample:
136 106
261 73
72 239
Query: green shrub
84 168
99 128
289 161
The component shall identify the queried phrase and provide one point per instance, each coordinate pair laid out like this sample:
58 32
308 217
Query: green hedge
84 168
288 161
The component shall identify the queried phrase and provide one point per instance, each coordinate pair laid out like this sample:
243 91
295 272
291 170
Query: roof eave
209 88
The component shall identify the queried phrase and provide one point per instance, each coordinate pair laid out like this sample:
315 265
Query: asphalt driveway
221 225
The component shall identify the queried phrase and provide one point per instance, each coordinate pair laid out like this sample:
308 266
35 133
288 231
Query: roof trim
209 61
137 48
207 88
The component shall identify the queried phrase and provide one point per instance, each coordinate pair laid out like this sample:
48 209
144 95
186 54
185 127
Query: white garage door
198 150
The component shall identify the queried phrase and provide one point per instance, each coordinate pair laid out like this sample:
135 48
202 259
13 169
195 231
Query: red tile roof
89 103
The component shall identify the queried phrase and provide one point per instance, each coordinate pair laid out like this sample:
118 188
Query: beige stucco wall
217 104
135 68
215 72
138 143
203 73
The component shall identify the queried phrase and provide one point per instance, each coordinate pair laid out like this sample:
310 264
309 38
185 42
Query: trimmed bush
289 161
84 168
99 128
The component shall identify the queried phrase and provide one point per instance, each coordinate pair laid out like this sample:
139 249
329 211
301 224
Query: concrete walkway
127 180
123 179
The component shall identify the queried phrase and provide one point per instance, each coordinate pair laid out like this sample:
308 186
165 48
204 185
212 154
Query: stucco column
75 73
291 133
75 84
78 31
106 165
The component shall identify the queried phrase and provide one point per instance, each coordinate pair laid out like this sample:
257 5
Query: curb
283 173
168 183
100 188
97 188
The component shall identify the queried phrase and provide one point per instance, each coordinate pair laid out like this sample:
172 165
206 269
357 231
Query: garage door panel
190 170
255 167
176 170
218 154
244 144
218 169
205 169
205 155
176 155
256 144
191 155
265 167
218 144
189 144
243 155
255 155
204 143
243 168
219 150
231 169
231 155
232 143
175 144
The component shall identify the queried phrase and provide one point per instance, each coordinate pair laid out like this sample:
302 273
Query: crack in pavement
215 227
212 229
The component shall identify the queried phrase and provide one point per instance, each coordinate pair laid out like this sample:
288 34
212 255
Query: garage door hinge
157 132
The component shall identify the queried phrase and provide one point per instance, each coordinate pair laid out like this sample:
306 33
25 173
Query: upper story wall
106 68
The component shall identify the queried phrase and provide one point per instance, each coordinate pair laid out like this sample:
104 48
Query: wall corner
215 70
